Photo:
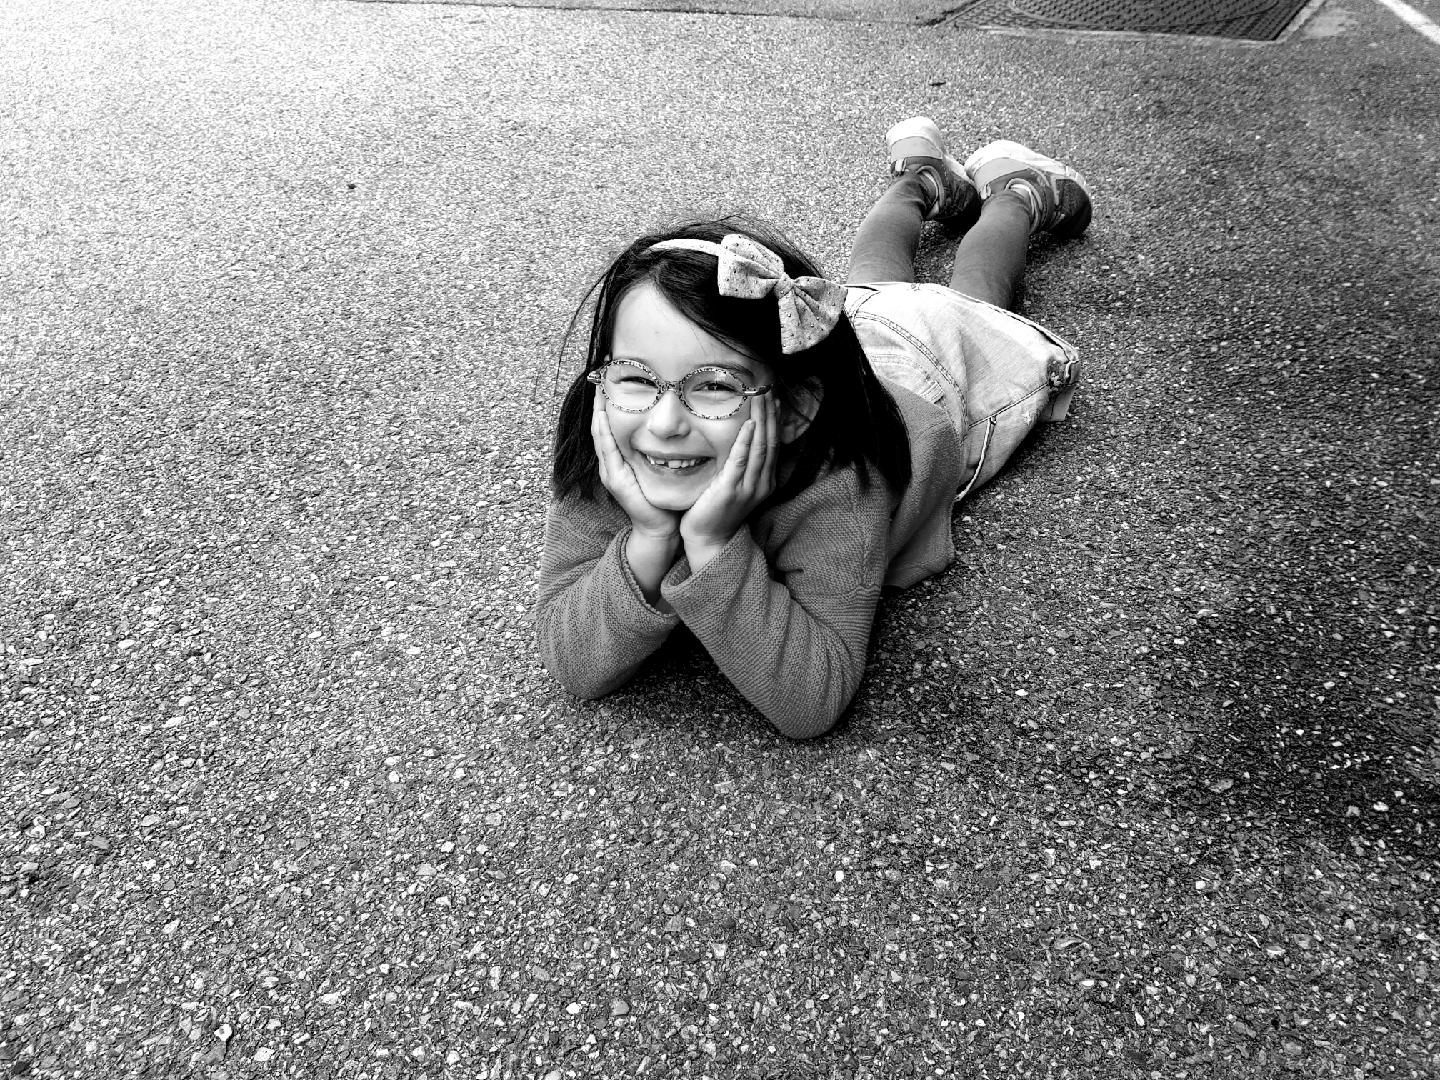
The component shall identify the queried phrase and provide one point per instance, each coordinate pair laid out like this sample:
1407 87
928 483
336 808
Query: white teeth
673 463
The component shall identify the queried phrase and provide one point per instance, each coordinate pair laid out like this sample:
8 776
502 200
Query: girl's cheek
621 423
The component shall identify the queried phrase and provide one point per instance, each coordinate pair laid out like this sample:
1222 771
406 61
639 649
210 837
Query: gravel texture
1145 787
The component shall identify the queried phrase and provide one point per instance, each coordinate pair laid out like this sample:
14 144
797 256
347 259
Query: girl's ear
796 414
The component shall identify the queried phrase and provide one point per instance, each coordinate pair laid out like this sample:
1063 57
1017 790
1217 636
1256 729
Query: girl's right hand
619 480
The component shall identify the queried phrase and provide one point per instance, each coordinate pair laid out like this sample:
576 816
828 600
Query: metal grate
1257 20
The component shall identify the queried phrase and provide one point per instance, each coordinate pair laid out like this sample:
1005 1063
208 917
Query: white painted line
1418 22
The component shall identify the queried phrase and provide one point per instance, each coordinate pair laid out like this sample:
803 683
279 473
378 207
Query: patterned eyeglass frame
664 386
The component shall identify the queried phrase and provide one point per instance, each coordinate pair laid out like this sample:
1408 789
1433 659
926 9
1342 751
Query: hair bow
809 306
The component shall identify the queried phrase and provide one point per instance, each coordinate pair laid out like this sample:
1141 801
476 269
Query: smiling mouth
675 464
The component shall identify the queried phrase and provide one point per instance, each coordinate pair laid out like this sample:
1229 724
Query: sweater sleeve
791 629
593 625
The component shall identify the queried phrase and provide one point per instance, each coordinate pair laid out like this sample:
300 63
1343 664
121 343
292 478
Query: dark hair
857 422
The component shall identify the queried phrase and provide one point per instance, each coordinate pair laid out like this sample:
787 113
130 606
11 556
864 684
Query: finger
599 420
607 452
761 450
740 454
599 450
606 437
772 444
754 449
597 417
767 446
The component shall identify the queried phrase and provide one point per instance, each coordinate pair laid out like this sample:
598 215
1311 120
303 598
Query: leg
990 262
885 242
930 185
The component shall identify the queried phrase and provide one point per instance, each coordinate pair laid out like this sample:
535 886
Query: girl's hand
619 480
745 481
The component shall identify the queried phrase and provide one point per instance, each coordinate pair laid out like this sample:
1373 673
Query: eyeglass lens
708 392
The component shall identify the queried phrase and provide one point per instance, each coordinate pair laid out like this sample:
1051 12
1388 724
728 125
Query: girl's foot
917 146
1058 195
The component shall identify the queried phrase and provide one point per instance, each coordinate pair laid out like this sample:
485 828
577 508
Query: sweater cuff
720 572
645 615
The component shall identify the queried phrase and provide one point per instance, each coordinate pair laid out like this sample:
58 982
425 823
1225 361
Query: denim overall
996 373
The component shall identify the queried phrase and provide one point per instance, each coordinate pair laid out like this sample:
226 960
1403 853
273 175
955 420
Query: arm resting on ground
593 625
796 646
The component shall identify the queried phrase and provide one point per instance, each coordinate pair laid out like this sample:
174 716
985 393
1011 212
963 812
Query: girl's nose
667 417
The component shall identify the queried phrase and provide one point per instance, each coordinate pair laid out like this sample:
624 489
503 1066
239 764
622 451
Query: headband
809 306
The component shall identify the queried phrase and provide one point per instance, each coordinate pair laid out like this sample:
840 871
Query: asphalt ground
1146 786
910 12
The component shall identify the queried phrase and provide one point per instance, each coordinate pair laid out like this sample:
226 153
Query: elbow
587 691
582 684
574 678
802 715
580 681
804 729
810 723
584 681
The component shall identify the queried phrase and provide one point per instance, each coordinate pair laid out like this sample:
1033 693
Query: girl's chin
671 489
671 496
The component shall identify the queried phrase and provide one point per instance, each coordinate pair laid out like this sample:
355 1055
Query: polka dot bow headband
809 306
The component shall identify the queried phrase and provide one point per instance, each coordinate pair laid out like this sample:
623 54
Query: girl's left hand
745 481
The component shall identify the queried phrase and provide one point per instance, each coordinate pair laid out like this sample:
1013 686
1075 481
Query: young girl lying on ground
754 451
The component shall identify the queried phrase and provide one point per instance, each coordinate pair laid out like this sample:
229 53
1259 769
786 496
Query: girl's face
673 453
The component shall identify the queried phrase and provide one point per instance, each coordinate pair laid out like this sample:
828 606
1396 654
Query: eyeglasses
711 393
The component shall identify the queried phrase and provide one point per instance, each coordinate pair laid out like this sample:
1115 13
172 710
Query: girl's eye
716 382
632 378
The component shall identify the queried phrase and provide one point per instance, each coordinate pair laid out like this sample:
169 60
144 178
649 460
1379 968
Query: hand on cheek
619 480
744 481
654 541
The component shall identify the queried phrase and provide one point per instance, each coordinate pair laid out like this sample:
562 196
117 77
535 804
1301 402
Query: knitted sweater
784 610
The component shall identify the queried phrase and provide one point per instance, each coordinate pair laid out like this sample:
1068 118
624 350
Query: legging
989 263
